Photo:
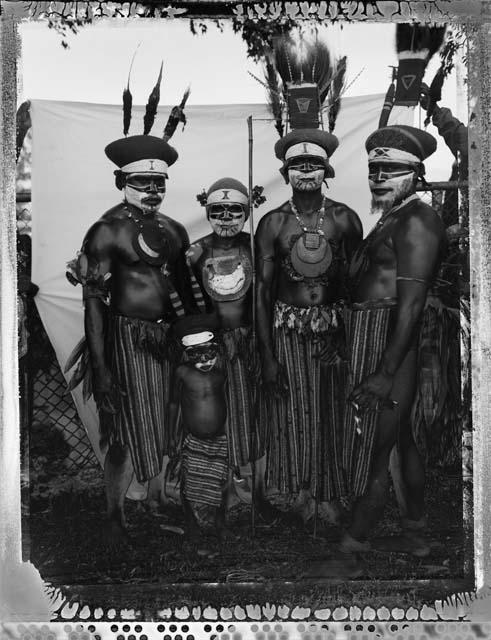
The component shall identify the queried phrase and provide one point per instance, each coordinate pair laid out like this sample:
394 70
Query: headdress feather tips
418 38
415 46
176 116
336 88
128 99
152 104
275 102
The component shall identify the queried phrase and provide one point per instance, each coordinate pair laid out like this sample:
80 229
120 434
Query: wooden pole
252 426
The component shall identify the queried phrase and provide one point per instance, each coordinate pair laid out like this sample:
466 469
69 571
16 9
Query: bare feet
268 512
342 566
153 506
225 535
409 542
115 535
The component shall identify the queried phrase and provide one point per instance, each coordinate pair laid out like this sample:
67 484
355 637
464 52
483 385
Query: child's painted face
203 356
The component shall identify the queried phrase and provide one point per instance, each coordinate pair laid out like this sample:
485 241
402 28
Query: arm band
95 290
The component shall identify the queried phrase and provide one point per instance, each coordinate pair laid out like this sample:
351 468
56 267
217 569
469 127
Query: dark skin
273 237
232 313
273 242
138 290
201 395
410 245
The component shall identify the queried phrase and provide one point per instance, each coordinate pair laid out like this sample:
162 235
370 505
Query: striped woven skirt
143 378
367 330
240 398
303 430
204 469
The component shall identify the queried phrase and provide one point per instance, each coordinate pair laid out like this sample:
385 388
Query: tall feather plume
275 102
152 104
416 38
176 116
335 91
308 62
388 102
284 60
434 93
128 99
322 70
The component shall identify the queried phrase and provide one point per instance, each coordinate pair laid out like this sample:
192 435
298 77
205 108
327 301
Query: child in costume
199 391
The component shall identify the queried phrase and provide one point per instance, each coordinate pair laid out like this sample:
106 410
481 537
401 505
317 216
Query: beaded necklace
311 236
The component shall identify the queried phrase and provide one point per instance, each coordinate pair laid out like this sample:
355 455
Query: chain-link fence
45 401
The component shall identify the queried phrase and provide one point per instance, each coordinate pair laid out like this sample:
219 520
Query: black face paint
147 183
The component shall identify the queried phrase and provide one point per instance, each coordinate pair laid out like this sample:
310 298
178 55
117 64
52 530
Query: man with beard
391 273
222 264
303 248
131 264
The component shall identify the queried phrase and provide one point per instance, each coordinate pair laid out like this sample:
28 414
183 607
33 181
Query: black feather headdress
152 104
176 115
335 91
415 46
302 78
128 100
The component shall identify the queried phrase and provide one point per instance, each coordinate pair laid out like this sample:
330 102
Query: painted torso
224 269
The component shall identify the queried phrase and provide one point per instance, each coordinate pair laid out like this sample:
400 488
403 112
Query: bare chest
380 248
145 249
292 229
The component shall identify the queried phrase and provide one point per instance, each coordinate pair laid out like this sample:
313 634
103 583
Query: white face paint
147 193
147 202
207 365
203 357
227 222
303 181
389 193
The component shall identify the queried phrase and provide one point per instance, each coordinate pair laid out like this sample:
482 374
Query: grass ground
64 533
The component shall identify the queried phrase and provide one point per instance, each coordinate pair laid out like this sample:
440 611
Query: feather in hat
305 62
128 99
388 102
418 39
275 103
415 46
335 92
152 104
434 93
176 116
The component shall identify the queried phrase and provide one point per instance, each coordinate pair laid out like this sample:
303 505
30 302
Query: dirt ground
62 536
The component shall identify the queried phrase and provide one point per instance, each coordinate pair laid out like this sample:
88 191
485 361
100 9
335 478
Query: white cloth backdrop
72 186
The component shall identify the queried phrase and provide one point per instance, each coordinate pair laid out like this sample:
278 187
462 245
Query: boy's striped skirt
204 469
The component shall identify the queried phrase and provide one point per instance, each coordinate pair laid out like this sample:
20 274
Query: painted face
226 220
390 184
145 190
203 356
306 173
